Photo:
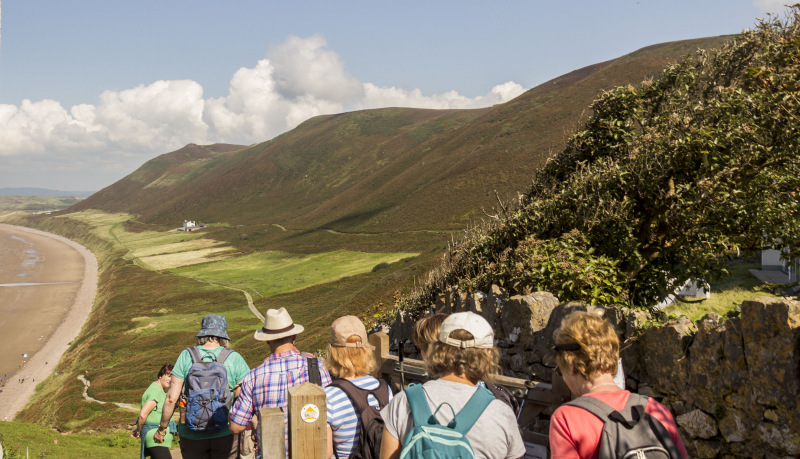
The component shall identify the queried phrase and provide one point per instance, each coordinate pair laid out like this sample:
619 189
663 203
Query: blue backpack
208 396
429 439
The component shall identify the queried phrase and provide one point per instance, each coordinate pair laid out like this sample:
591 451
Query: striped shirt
342 417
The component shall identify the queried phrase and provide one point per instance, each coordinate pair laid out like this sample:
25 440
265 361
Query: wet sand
47 289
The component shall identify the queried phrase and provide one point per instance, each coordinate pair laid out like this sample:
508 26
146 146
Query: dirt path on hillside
15 396
86 385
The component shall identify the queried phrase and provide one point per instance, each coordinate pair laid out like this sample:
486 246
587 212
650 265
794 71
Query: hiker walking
205 433
354 398
266 385
146 424
418 420
587 355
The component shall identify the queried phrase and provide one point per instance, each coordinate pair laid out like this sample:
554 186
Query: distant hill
384 170
43 192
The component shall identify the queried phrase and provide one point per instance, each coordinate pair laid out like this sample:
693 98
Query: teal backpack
429 439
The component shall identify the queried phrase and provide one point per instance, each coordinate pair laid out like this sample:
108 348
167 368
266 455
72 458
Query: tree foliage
663 179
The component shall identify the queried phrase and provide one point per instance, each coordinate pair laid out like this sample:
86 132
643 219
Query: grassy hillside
143 317
664 182
390 183
380 171
35 203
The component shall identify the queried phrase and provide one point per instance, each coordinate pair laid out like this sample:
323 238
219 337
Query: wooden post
271 433
307 422
380 341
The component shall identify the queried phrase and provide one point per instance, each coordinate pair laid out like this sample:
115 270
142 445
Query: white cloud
297 80
304 67
771 6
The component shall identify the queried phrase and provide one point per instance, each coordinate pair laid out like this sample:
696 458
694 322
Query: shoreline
40 365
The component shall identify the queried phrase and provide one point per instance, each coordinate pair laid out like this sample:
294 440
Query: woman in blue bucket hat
213 345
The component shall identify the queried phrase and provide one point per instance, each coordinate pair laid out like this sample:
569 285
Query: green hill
384 170
665 182
383 181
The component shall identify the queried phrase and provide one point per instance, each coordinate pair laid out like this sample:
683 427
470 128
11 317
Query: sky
92 89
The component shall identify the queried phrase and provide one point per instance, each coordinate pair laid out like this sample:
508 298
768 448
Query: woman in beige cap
350 359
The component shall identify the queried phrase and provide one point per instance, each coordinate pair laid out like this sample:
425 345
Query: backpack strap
360 397
469 415
418 402
194 354
504 395
636 401
313 369
224 355
594 406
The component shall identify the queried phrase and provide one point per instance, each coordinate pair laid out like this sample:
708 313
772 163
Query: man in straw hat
266 385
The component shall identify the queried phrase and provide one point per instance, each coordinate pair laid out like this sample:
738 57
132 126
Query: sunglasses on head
549 360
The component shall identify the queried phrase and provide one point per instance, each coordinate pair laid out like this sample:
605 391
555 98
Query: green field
23 440
271 273
35 203
726 294
198 257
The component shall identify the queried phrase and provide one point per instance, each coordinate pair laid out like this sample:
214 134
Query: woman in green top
147 422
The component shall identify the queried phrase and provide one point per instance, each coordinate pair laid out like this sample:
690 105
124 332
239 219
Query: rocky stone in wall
733 427
732 384
698 424
664 356
706 386
771 331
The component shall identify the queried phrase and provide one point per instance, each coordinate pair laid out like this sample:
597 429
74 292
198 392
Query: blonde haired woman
587 353
463 355
349 358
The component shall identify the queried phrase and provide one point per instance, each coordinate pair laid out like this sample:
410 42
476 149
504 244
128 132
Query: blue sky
91 89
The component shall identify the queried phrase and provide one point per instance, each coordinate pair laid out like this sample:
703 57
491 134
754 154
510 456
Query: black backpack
630 432
369 417
504 395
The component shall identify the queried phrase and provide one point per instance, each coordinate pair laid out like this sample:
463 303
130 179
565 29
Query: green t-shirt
235 366
156 394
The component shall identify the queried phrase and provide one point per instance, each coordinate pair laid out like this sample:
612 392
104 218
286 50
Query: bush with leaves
663 179
565 266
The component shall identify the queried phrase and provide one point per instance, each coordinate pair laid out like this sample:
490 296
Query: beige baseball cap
345 327
481 331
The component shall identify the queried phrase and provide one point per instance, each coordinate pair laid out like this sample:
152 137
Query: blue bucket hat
214 325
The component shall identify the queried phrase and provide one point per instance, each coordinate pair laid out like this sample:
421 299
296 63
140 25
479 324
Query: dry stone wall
732 385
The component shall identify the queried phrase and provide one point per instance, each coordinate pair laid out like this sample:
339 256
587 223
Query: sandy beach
47 288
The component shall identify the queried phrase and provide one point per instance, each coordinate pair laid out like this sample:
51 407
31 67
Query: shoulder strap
656 426
468 415
194 354
360 397
594 406
381 393
418 402
356 395
313 369
224 355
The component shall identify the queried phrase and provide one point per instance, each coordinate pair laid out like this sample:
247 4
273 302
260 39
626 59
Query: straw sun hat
277 324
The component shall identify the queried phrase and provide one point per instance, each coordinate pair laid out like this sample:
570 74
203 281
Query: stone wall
732 385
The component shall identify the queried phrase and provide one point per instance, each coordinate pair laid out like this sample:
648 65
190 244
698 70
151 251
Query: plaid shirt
267 385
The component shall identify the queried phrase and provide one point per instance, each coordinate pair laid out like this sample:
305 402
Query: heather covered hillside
383 170
365 201
667 180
